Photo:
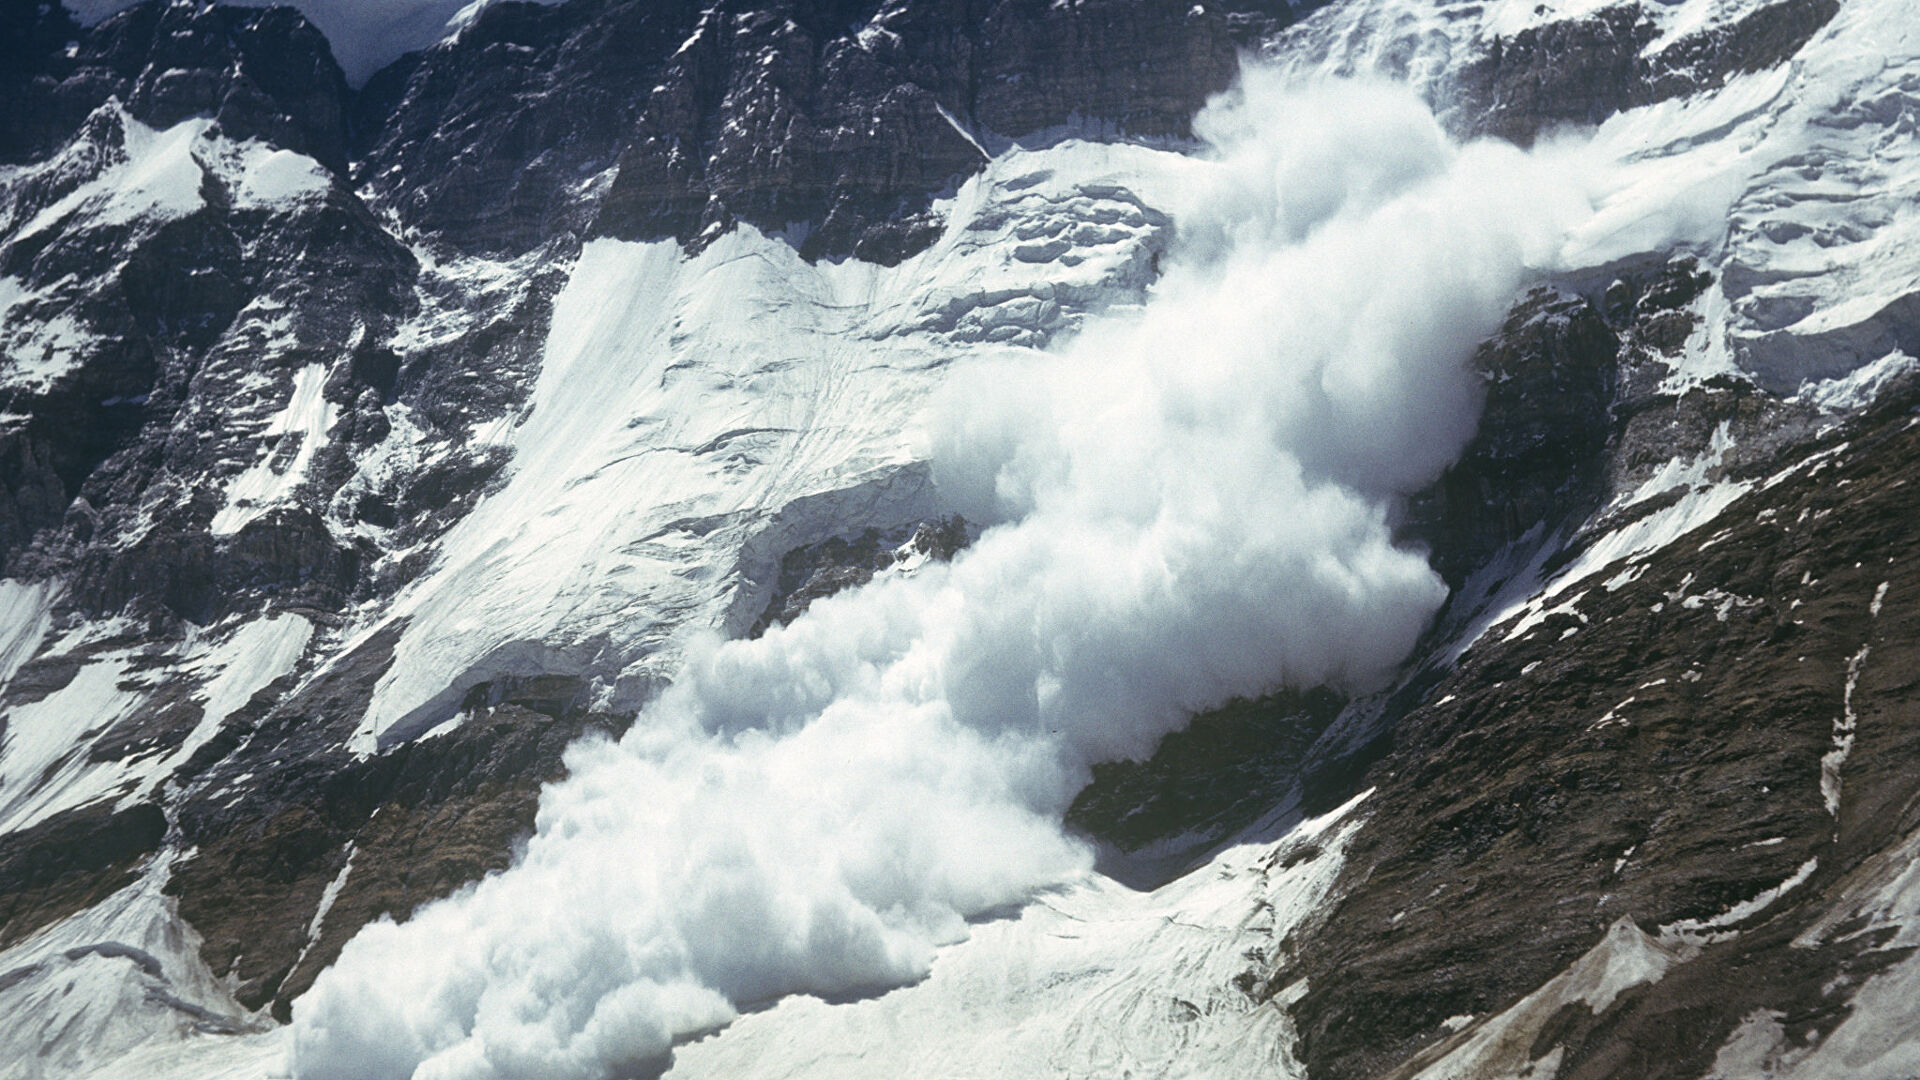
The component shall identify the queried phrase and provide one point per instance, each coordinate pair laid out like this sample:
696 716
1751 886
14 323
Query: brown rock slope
1653 751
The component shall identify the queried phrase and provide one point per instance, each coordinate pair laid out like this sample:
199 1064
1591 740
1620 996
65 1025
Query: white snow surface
695 419
44 764
1799 184
122 173
146 178
118 983
1090 980
26 615
825 810
719 753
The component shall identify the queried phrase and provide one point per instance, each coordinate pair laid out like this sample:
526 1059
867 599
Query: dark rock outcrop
71 861
422 821
1539 458
1229 767
1581 71
817 571
640 119
1654 753
260 73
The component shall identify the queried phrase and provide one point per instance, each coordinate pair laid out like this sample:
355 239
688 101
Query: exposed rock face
422 822
1581 71
260 73
1229 767
641 119
1652 750
816 571
71 861
1550 386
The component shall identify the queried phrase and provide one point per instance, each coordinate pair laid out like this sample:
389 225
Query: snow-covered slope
695 419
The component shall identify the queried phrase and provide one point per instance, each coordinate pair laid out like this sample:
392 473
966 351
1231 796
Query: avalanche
1187 502
1183 393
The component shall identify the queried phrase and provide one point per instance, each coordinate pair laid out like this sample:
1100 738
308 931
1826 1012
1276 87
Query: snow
1716 927
118 982
1422 42
148 178
1187 502
1797 184
695 419
715 387
26 614
331 894
44 763
1501 1047
300 427
1858 388
1092 980
1528 598
43 766
39 349
327 898
1539 611
276 177
954 122
151 177
258 652
636 469
159 181
1843 729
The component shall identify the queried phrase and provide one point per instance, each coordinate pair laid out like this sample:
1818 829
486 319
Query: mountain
969 537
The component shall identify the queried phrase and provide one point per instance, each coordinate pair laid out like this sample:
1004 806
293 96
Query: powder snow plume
1188 502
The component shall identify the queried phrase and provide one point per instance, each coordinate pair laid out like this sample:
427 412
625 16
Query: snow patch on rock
292 437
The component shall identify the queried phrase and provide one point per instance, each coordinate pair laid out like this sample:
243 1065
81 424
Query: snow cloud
366 35
1187 503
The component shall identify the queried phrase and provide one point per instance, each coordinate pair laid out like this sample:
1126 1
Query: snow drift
1185 503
